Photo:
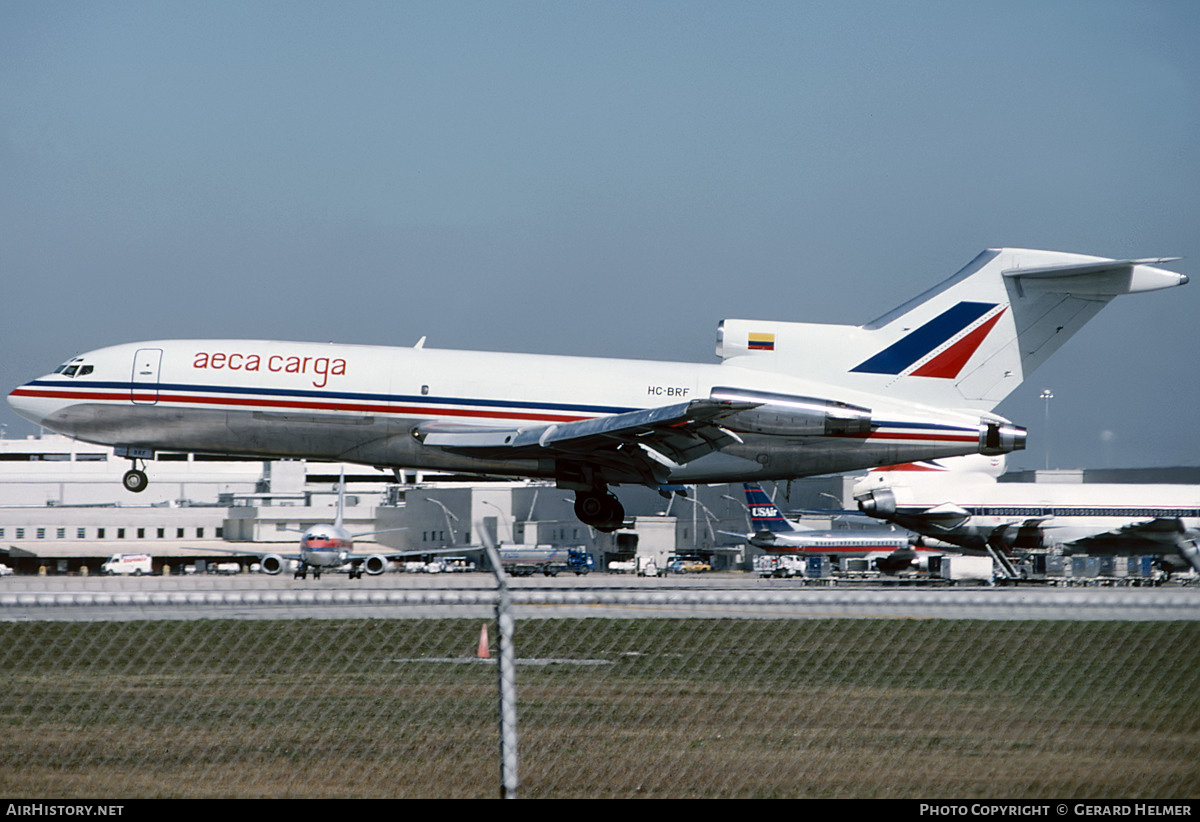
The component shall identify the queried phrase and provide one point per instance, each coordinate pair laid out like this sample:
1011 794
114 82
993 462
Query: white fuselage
852 542
326 546
1112 517
787 399
362 404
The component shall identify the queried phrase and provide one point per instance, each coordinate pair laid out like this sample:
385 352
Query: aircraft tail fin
947 475
967 343
969 465
765 514
341 500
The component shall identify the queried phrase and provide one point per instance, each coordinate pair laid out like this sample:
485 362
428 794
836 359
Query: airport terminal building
63 509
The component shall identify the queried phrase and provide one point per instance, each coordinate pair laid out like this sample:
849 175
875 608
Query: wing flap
652 439
1157 532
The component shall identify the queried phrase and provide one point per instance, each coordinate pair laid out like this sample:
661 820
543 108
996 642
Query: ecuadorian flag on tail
761 342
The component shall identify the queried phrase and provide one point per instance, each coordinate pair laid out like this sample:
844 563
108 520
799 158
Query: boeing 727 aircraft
786 400
974 511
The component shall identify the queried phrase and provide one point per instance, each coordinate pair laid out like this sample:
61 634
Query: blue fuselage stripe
332 395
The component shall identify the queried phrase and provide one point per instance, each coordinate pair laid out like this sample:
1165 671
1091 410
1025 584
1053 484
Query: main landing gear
135 479
599 509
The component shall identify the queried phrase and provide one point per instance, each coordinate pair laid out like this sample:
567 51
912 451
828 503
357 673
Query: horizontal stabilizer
1105 278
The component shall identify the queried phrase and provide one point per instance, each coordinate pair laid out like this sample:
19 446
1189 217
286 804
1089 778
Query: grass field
607 708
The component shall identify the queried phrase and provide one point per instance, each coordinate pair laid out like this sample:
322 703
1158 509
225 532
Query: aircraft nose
24 402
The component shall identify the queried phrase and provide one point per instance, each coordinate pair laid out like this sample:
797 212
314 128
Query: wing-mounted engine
271 564
375 564
1024 536
789 415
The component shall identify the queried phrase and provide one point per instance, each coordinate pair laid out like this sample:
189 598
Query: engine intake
880 503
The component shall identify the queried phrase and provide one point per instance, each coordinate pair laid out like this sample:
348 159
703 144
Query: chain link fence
606 707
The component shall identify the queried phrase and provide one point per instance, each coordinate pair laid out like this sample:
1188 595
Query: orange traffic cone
482 652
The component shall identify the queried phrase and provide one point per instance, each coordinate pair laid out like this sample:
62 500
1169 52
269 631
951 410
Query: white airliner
974 511
891 549
329 547
786 400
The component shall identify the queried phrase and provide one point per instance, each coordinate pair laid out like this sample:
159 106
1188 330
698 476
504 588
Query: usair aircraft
954 502
787 399
891 550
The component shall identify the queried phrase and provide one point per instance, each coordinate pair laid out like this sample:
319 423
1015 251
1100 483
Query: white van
136 564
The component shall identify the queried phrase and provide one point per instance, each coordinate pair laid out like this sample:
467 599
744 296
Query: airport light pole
449 515
709 516
1047 395
503 518
745 509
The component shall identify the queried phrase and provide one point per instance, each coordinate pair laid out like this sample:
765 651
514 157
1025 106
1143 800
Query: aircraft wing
244 552
636 446
1158 532
1155 534
386 553
944 517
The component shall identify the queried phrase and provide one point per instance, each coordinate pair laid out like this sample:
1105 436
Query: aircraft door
146 363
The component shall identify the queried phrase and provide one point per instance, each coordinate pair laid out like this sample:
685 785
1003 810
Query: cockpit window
74 368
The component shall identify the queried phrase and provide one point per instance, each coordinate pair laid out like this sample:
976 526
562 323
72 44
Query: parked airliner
328 546
892 549
972 510
786 399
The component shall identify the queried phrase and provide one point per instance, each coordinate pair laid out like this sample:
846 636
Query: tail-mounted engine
1000 437
788 415
880 503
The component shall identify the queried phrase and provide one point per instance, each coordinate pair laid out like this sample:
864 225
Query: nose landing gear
135 479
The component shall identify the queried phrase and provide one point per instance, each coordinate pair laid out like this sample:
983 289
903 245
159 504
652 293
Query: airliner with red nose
786 399
329 546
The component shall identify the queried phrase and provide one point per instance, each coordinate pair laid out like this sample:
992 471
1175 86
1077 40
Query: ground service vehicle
962 568
688 565
779 565
525 560
135 564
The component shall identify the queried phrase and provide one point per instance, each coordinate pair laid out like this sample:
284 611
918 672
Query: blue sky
602 178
